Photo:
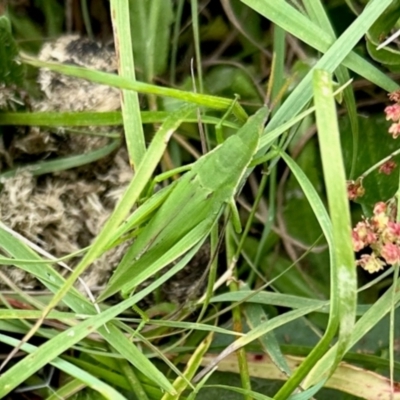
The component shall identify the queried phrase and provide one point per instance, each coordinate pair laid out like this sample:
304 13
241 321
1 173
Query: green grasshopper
190 210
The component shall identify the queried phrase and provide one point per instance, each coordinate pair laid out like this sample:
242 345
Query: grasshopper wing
198 199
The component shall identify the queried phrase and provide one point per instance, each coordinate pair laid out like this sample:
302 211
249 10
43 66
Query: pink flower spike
388 167
362 229
380 219
394 96
393 112
362 236
393 229
370 263
358 244
394 130
355 189
391 253
380 208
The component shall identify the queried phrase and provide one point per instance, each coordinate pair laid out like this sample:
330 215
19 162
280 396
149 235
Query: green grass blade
250 393
279 300
181 383
295 23
90 381
42 271
64 340
367 322
63 163
285 16
104 78
89 118
67 390
326 226
130 100
255 315
11 72
343 276
320 17
256 333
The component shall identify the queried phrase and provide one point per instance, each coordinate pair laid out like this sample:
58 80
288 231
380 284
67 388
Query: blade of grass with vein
42 271
130 101
268 138
57 119
326 226
196 36
187 326
277 81
237 320
219 103
251 394
318 15
33 314
96 384
175 40
88 118
272 298
150 31
65 316
343 277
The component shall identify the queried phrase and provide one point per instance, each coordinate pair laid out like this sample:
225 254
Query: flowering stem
392 326
397 197
378 164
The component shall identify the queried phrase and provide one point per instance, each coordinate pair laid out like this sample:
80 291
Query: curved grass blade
63 163
335 53
295 23
64 340
367 322
343 277
130 106
104 78
90 118
88 379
